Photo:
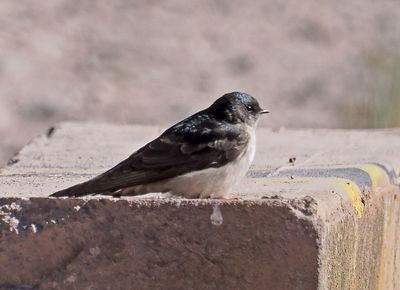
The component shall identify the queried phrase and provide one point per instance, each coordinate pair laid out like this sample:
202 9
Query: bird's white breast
216 182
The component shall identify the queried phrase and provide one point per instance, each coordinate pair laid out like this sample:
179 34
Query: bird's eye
250 107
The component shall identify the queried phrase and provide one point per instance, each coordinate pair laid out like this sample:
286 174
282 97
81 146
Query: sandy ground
155 62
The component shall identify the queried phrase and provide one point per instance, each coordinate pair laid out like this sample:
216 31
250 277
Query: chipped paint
34 228
6 214
353 193
216 215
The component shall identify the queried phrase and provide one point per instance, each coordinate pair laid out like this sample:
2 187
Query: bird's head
237 107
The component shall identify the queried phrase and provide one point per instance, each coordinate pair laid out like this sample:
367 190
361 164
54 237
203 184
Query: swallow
203 156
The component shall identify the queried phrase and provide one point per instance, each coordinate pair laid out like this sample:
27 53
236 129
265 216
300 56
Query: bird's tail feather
73 191
82 189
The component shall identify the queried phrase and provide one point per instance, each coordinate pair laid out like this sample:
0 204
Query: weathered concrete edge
341 242
70 211
351 227
363 253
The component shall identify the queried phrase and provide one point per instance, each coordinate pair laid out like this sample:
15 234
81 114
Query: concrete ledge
320 209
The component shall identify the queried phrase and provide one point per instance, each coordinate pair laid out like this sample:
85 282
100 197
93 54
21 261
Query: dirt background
312 63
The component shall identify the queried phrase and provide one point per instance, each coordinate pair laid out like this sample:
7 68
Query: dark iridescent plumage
209 139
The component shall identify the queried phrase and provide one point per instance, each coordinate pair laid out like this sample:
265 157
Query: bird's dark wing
179 150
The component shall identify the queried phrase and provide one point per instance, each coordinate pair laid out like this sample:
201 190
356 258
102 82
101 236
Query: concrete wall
328 220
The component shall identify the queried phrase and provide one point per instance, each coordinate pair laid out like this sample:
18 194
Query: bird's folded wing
173 154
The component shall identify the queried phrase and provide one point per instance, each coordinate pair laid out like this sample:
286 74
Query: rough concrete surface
320 209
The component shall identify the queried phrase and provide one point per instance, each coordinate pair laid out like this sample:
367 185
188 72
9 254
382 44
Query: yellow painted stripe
347 186
354 194
376 173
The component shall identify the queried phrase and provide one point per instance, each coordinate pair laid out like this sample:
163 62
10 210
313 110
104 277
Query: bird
202 156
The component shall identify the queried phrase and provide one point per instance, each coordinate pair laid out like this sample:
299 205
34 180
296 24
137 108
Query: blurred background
319 64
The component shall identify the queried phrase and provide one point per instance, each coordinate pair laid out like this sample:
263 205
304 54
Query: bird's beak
264 112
